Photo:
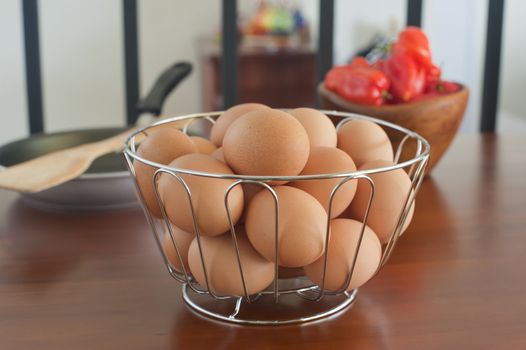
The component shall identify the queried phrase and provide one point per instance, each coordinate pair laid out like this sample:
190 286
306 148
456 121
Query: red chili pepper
433 74
420 82
367 86
379 64
438 88
441 87
335 77
358 62
403 73
414 43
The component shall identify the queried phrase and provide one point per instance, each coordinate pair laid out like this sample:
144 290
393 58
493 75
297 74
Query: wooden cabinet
279 78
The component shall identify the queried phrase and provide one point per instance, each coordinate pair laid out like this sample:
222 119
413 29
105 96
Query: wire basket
287 300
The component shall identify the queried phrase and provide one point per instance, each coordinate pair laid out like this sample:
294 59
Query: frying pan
106 185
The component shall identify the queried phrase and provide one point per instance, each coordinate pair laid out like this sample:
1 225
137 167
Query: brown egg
160 146
207 196
319 127
364 141
224 121
218 154
327 160
220 260
266 142
345 236
391 190
301 230
183 240
203 145
249 191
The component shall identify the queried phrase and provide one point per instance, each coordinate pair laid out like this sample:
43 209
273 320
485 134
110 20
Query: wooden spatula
55 168
58 167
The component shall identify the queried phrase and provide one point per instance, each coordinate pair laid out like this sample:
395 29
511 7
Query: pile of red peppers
406 74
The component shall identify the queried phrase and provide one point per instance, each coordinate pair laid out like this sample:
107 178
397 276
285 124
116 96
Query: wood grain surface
455 281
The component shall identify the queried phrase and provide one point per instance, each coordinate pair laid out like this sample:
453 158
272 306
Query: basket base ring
263 311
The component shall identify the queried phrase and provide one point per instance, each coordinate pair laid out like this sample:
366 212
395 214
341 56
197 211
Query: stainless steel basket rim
129 149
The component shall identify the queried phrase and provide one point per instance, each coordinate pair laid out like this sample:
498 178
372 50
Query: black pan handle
164 85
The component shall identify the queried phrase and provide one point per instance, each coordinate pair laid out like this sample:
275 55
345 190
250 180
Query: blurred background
82 55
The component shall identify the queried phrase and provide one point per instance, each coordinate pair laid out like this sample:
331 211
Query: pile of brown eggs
253 139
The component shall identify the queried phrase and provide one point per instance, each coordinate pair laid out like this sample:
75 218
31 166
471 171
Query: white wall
82 52
168 30
82 72
13 121
513 78
457 33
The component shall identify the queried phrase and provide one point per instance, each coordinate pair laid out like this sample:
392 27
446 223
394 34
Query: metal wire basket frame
190 288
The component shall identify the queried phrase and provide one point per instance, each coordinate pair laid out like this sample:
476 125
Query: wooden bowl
436 119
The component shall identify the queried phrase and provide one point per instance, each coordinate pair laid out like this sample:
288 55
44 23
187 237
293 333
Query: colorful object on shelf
275 20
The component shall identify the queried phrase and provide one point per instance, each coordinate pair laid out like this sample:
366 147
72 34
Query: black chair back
230 57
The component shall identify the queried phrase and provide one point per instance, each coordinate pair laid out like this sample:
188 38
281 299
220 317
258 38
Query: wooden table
455 281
